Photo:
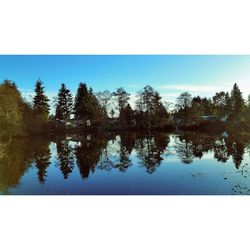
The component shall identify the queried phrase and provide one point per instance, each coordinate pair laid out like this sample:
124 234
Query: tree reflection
42 157
65 155
237 154
184 149
193 145
15 158
232 147
150 149
88 152
127 143
112 151
220 150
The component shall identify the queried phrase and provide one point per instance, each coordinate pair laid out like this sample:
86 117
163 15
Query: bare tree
104 98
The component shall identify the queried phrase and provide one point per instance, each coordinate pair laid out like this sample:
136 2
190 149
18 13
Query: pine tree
160 114
64 103
237 102
126 117
80 106
40 102
87 107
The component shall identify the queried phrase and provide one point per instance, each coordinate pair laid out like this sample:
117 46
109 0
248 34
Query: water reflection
42 156
87 154
65 156
15 157
149 149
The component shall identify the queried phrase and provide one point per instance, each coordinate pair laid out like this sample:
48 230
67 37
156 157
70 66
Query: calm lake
129 163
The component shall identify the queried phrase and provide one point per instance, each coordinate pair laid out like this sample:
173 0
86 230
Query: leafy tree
96 114
150 110
221 102
184 101
64 104
40 102
11 110
183 105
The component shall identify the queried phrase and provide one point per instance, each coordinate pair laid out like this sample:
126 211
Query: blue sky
170 75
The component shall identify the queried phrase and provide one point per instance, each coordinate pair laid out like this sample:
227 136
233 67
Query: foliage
40 103
150 109
87 107
14 112
237 102
126 117
64 104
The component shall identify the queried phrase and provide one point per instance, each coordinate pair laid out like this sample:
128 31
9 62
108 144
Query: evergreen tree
64 104
80 106
197 107
237 102
126 117
40 102
160 114
87 107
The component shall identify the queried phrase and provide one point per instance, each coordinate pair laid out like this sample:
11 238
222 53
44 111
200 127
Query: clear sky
170 75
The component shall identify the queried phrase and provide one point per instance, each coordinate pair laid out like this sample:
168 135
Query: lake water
130 163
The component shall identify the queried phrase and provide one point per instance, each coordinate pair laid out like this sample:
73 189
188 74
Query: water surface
129 163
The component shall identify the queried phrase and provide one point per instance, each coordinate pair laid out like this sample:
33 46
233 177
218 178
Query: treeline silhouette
112 110
89 153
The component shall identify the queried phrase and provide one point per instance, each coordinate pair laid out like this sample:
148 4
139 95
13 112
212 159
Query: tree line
112 110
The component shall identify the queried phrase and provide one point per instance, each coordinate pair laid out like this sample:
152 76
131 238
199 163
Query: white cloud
208 89
170 92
